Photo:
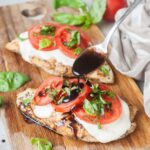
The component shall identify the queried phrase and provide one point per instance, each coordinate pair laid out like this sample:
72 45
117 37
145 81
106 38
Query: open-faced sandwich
82 110
54 48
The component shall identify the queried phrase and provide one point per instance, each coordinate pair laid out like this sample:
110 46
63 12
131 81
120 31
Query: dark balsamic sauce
73 128
89 83
87 62
41 94
73 94
72 124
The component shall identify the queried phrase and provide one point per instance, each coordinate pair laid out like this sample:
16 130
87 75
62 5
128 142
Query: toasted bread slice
56 124
55 68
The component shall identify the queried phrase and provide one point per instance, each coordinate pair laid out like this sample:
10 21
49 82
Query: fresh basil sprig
74 4
97 104
11 81
110 94
48 30
96 90
53 93
41 143
74 40
88 108
86 15
69 19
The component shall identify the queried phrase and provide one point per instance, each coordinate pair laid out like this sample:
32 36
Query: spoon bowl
88 61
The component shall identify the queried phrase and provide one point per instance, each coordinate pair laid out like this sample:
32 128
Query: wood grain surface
17 133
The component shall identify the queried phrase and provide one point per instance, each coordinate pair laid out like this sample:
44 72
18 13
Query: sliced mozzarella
43 111
112 131
28 51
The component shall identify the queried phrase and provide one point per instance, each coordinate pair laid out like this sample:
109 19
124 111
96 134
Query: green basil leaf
88 108
11 81
47 90
41 143
27 101
48 30
95 106
104 70
67 90
70 44
110 94
97 10
74 40
74 3
44 43
95 88
69 19
75 35
86 17
1 101
77 51
88 21
102 100
53 93
102 111
21 38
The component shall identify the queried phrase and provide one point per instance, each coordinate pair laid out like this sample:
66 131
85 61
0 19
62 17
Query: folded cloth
131 47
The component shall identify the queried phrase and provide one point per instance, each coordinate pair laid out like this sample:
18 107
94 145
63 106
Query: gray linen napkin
131 47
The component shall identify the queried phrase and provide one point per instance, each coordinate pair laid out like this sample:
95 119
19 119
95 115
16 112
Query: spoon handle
128 11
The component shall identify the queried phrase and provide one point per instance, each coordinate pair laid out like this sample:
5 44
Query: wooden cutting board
15 133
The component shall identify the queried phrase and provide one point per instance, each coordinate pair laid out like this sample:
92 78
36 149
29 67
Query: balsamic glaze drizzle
72 124
73 93
67 116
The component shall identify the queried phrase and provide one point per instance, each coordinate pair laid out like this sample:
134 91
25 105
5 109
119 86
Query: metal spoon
95 55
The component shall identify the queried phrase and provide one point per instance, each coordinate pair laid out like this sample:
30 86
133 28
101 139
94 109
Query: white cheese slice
112 131
28 51
43 111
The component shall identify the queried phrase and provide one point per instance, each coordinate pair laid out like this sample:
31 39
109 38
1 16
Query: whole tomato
112 7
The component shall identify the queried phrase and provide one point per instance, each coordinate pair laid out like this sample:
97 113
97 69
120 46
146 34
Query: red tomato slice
66 107
109 116
112 7
63 35
41 98
35 36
